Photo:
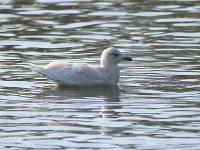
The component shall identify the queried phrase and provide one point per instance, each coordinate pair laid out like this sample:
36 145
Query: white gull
65 74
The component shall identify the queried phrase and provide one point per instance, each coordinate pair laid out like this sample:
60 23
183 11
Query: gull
106 74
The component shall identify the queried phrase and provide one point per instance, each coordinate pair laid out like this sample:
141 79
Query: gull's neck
112 71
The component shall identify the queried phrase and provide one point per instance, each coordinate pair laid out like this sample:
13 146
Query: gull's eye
115 54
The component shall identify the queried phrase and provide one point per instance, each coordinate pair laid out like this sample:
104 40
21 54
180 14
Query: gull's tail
38 69
42 70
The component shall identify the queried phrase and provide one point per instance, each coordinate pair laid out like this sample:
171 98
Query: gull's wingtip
37 68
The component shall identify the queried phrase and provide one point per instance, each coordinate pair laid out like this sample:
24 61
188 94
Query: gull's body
107 74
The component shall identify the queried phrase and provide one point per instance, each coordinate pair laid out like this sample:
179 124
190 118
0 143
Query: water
157 103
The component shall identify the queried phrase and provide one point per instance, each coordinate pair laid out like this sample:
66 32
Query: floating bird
106 74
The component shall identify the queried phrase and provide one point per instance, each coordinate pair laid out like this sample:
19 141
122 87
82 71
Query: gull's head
112 56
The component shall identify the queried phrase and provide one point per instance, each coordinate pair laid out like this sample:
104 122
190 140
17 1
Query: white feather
84 75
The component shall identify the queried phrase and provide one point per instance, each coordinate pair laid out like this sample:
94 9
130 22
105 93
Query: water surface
155 106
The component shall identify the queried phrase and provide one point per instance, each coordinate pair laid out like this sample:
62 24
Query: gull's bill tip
127 58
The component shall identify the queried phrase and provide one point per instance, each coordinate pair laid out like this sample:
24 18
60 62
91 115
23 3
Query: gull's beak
127 58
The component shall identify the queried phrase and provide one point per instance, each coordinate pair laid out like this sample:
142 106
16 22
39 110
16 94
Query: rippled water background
157 103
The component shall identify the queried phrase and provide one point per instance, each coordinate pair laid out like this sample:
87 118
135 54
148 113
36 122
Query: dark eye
115 55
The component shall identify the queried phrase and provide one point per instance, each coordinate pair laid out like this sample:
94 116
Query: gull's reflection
109 105
109 94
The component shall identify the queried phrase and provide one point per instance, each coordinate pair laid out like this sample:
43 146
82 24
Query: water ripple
156 102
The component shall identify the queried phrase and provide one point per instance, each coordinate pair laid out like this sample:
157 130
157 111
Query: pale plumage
65 74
